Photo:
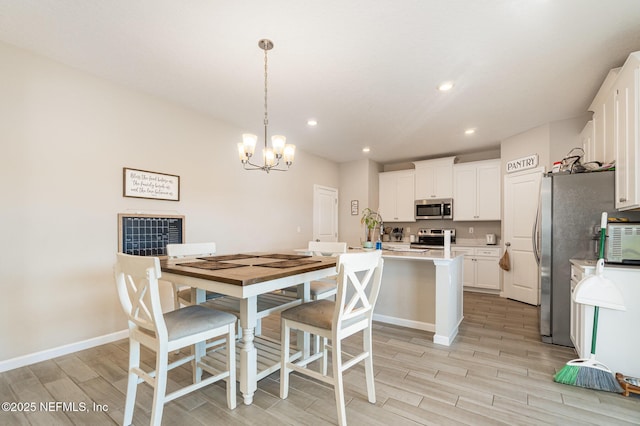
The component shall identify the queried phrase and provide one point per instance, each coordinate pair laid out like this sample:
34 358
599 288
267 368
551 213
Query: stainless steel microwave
434 209
623 243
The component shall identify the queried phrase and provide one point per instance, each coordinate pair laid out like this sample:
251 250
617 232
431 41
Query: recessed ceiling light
312 122
366 149
447 85
469 131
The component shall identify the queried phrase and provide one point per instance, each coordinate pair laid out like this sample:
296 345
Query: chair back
327 248
175 251
359 278
137 283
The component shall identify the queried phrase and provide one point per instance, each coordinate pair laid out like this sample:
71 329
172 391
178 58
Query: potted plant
370 220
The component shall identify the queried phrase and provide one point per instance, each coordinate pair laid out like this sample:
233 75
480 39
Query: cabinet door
626 97
425 183
387 196
443 181
405 198
488 190
397 196
464 193
487 273
588 142
469 272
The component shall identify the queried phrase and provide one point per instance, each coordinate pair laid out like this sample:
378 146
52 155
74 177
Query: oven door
426 209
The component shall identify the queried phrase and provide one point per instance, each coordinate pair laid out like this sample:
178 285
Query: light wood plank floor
496 372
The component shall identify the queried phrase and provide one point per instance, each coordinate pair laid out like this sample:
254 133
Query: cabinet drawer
576 273
494 252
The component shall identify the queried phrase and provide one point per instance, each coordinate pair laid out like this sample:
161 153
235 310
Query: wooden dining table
249 277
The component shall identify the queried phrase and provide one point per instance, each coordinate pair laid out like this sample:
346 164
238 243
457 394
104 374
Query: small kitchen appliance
429 238
491 239
434 209
623 243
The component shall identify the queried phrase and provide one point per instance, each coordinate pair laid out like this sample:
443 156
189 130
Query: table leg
248 351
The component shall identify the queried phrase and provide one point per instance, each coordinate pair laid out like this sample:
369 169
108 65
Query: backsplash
480 228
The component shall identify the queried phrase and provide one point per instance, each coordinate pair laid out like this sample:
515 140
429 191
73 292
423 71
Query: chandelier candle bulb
278 142
289 153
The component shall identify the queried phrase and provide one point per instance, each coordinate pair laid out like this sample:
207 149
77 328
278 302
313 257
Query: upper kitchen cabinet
588 143
397 196
603 107
434 178
476 190
626 93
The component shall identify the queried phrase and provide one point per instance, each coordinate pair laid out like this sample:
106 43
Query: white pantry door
521 199
325 213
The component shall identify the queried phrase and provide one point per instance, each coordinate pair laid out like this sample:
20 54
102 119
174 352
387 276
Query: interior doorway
325 213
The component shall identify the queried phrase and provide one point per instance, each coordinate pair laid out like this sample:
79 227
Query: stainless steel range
429 238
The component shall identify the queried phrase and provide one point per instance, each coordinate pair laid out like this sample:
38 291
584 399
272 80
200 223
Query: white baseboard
418 325
33 358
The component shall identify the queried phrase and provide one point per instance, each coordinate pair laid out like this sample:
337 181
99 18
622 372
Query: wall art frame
138 183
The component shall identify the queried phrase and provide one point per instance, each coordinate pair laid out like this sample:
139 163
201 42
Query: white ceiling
367 70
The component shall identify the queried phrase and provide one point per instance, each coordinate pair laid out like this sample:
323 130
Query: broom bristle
594 378
567 375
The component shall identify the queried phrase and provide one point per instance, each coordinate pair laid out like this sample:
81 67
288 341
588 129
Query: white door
325 213
521 196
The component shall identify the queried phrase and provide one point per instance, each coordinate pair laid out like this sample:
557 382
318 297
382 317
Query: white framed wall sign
145 184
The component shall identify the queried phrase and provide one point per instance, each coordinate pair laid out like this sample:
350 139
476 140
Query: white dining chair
137 284
326 287
359 277
182 293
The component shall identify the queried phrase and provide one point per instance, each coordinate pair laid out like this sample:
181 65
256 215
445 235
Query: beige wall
358 181
66 136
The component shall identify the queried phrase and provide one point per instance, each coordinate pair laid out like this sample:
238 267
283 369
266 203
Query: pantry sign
523 163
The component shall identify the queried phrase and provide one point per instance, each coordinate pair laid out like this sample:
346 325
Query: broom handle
596 309
594 332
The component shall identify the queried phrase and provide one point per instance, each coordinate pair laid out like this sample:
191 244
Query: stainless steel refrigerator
570 209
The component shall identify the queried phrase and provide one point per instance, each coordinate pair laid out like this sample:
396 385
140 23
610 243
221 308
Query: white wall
66 136
358 181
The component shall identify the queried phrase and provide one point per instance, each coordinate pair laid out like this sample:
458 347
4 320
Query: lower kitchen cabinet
617 346
481 270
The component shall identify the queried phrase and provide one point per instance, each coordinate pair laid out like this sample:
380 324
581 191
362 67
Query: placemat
211 266
284 256
290 263
227 257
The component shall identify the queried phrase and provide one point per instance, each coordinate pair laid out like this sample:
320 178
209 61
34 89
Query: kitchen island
422 290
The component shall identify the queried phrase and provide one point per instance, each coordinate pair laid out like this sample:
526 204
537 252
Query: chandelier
279 150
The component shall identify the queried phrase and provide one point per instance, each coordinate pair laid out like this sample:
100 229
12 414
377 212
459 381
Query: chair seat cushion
318 288
318 313
195 319
185 295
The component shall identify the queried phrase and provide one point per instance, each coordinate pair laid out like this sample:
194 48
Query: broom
589 373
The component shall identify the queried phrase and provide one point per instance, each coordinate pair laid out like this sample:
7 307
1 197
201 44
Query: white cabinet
626 92
603 146
588 143
577 311
476 191
434 178
397 196
616 345
481 268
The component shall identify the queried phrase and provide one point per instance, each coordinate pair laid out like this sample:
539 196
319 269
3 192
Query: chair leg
132 382
336 357
231 362
284 359
323 348
162 361
368 365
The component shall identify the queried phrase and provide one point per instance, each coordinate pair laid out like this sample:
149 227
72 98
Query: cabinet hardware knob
507 244
622 200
